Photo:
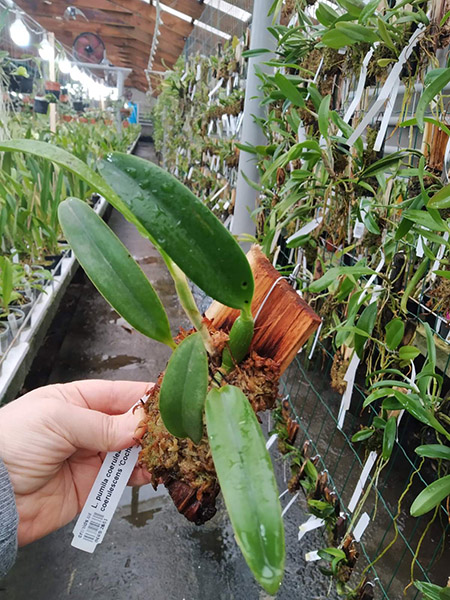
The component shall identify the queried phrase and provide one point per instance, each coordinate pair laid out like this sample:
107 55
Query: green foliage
113 271
183 227
183 390
245 473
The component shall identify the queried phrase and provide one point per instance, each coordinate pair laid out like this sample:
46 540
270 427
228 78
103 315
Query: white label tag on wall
358 230
103 498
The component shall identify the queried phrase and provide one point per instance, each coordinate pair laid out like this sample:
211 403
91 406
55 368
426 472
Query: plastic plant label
308 228
358 230
103 498
271 440
371 459
349 377
312 556
289 504
309 525
361 527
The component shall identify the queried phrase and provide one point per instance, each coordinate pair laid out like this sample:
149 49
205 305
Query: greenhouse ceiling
127 28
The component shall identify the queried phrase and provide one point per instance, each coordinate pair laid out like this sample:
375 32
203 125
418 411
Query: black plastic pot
56 93
41 106
53 263
21 84
78 105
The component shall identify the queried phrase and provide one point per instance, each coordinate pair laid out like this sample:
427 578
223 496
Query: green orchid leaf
431 496
183 227
289 90
357 33
431 347
444 274
334 38
378 423
332 274
326 15
434 451
390 431
323 116
366 323
376 395
385 35
113 271
368 11
435 87
6 281
408 353
413 404
441 199
353 7
248 483
431 591
395 331
183 390
428 219
363 434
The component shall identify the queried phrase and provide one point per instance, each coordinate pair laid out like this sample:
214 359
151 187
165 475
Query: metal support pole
252 134
52 73
120 80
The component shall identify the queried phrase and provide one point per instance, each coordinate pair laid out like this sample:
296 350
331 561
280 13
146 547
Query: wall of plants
354 202
31 190
196 119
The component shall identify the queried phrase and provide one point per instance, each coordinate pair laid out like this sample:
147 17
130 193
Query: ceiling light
75 73
19 33
64 65
46 51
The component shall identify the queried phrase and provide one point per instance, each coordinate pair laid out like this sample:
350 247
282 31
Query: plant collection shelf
15 363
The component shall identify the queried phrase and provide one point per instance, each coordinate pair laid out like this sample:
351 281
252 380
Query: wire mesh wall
218 25
396 548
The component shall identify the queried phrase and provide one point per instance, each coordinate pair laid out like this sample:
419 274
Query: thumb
93 430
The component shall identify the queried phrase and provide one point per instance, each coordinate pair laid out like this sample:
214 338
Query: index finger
110 397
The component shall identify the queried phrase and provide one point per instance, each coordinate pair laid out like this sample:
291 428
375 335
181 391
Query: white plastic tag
349 377
309 525
312 556
271 440
419 248
103 498
358 230
289 504
361 526
359 488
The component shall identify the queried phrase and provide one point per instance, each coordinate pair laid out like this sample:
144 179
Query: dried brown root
187 469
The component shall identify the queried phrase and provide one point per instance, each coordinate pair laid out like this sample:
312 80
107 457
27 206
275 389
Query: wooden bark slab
285 321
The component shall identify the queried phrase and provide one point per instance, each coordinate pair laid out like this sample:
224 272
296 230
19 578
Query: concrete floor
150 551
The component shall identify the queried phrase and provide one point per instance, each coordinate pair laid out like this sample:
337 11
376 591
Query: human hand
53 441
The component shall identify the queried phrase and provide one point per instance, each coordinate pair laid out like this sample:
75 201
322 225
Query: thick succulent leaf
183 390
113 271
183 227
431 496
248 483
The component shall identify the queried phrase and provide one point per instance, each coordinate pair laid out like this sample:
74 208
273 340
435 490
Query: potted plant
64 97
214 427
40 105
53 87
21 81
78 105
13 317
